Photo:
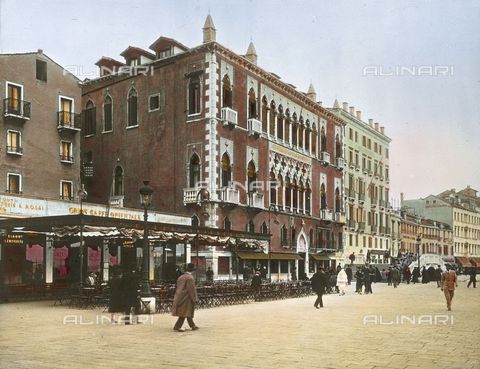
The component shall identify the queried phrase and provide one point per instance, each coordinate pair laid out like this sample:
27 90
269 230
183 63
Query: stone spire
336 104
311 94
209 31
251 53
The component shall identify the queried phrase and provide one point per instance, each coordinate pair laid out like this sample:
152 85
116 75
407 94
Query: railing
351 224
361 197
66 158
68 120
190 195
14 150
361 226
229 195
66 197
254 127
284 243
383 203
351 193
340 162
326 214
15 191
255 199
373 203
325 157
374 229
229 117
116 201
382 229
16 108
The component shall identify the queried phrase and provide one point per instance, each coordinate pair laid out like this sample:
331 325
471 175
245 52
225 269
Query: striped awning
464 262
320 257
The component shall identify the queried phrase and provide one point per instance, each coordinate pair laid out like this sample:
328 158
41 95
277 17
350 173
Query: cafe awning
317 257
246 255
475 261
464 262
284 256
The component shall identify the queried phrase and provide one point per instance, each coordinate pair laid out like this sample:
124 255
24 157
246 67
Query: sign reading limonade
16 206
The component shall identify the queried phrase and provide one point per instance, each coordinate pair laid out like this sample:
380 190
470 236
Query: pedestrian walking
395 277
415 275
256 285
358 281
352 258
319 282
115 303
449 282
342 281
349 272
367 281
209 275
424 275
473 277
407 275
438 276
130 294
184 300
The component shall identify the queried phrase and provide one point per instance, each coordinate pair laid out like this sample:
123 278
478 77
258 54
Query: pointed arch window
250 227
272 119
307 137
280 123
194 171
252 176
288 194
323 197
295 195
314 140
226 92
323 140
252 104
273 189
338 203
280 192
301 197
264 228
308 197
293 234
118 188
287 126
195 221
226 170
227 225
301 130
284 235
89 118
294 131
264 115
194 95
338 147
107 114
132 107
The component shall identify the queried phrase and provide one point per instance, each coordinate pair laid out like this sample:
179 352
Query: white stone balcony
340 162
190 195
254 127
325 157
229 117
229 195
255 199
326 214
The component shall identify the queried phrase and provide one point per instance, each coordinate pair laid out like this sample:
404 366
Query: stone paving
277 334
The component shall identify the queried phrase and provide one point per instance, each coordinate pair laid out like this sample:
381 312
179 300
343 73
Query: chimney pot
40 51
345 106
382 130
376 126
370 122
359 115
320 103
352 110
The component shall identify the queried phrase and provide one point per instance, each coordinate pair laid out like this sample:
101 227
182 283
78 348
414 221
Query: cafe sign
13 239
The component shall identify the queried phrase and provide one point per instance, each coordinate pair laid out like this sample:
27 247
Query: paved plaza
403 328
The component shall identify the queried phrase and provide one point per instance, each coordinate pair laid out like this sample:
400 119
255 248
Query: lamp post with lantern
419 240
146 193
82 195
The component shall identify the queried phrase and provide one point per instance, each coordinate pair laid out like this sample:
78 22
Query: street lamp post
145 200
419 240
82 195
270 209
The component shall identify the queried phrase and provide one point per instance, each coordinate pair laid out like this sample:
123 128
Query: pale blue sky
433 120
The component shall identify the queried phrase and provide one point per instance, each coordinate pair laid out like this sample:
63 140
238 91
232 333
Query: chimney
382 130
251 54
359 115
352 110
311 94
345 106
370 122
376 126
209 31
40 51
401 198
320 103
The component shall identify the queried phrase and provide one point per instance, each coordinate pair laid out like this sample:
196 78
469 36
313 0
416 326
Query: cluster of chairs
224 293
83 297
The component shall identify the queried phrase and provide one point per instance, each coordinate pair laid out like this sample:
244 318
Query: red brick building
268 156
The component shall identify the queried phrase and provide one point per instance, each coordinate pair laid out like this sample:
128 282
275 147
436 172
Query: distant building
461 211
224 142
367 182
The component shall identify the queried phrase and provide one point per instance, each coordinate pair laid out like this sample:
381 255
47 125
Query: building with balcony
224 142
367 181
461 211
40 127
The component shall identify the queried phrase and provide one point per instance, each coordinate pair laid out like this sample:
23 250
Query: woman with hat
184 300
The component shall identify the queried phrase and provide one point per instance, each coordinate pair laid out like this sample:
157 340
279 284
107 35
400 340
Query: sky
413 66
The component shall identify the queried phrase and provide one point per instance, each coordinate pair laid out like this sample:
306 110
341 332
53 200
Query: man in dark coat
184 300
349 272
473 277
415 275
359 280
424 275
367 281
319 282
130 292
438 276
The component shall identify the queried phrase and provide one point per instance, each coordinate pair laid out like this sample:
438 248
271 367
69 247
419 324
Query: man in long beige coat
449 282
184 300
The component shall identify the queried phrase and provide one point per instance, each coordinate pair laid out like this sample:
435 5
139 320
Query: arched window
194 171
227 225
301 193
280 191
250 227
264 228
195 221
226 92
118 181
293 234
338 204
194 95
287 126
107 114
280 123
284 236
288 194
272 119
338 147
132 108
226 170
307 137
314 140
89 119
273 189
323 140
295 195
301 129
252 104
308 196
251 176
294 130
264 115
323 197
